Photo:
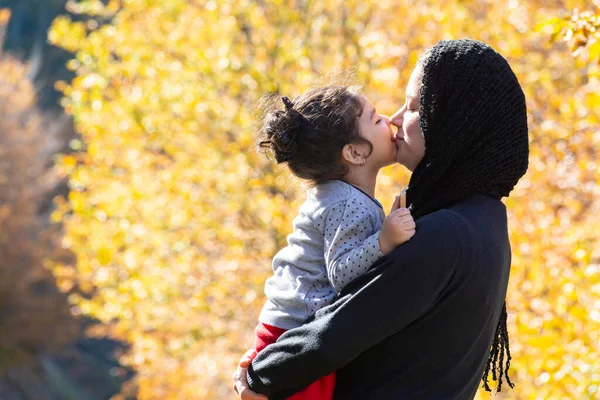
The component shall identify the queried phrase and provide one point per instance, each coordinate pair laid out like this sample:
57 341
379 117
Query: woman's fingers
250 395
247 358
241 387
240 382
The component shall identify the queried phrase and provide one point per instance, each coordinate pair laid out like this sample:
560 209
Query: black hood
474 121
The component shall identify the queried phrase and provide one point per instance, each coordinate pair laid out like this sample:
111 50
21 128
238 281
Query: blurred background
137 221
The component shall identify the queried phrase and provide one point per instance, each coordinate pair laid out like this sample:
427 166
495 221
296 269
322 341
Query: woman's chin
398 155
394 156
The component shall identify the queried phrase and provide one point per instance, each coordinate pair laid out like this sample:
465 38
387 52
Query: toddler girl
333 138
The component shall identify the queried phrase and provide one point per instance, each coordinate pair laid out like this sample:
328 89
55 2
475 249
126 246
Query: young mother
421 323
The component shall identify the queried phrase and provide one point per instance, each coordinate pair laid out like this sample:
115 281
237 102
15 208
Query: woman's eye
379 120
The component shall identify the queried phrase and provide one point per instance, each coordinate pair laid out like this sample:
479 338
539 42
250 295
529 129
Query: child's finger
407 225
406 215
403 199
402 212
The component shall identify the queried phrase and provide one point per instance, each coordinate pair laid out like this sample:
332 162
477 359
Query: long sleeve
409 280
328 248
351 242
298 268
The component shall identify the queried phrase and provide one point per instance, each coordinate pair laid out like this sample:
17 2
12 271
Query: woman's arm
409 280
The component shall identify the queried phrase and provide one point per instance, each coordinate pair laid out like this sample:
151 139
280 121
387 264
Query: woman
421 323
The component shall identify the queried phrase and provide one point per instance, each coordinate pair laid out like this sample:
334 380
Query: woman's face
409 138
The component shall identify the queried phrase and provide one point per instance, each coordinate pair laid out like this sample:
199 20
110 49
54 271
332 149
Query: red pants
320 390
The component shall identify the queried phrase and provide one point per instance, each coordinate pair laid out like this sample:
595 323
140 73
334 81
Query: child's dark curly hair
310 132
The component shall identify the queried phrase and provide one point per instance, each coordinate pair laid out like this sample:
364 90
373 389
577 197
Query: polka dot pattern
335 240
352 239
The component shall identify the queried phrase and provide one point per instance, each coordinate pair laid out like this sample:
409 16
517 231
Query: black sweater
419 325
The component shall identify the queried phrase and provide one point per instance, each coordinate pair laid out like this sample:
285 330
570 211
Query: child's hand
398 227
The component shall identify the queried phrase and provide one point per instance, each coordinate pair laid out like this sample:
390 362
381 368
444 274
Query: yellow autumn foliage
580 29
174 217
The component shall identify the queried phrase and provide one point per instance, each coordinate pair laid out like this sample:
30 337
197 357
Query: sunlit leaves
581 30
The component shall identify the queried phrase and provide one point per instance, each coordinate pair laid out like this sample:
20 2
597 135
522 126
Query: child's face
376 128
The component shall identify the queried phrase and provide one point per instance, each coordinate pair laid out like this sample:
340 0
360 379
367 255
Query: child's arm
352 243
350 250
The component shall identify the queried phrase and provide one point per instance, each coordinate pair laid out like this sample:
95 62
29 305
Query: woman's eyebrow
372 113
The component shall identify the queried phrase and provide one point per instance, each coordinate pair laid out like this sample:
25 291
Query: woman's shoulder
467 222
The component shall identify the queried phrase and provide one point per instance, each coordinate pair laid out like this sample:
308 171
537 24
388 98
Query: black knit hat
474 121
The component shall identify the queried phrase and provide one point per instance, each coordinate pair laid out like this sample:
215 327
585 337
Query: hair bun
281 129
285 140
287 103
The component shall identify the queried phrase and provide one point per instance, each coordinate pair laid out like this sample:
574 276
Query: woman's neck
362 178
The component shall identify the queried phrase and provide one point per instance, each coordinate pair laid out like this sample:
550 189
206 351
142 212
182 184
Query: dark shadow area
26 39
45 352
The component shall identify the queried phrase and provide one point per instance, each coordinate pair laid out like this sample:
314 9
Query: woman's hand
240 382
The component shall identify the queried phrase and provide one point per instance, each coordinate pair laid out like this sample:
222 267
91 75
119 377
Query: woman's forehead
415 81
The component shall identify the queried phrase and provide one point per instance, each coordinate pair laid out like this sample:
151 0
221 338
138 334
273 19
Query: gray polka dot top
335 239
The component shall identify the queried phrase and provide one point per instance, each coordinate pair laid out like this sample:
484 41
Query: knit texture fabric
474 121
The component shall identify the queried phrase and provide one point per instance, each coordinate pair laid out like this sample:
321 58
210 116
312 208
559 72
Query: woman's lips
398 140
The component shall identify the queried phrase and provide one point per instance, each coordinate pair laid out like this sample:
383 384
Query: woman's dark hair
309 133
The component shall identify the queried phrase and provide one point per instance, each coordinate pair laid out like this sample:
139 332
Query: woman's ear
353 154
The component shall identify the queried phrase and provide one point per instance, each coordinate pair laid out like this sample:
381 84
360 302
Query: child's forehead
366 103
368 109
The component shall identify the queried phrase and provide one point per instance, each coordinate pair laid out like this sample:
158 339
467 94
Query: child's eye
379 120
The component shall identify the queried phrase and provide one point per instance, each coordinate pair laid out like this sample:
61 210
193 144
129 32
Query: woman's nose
396 118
